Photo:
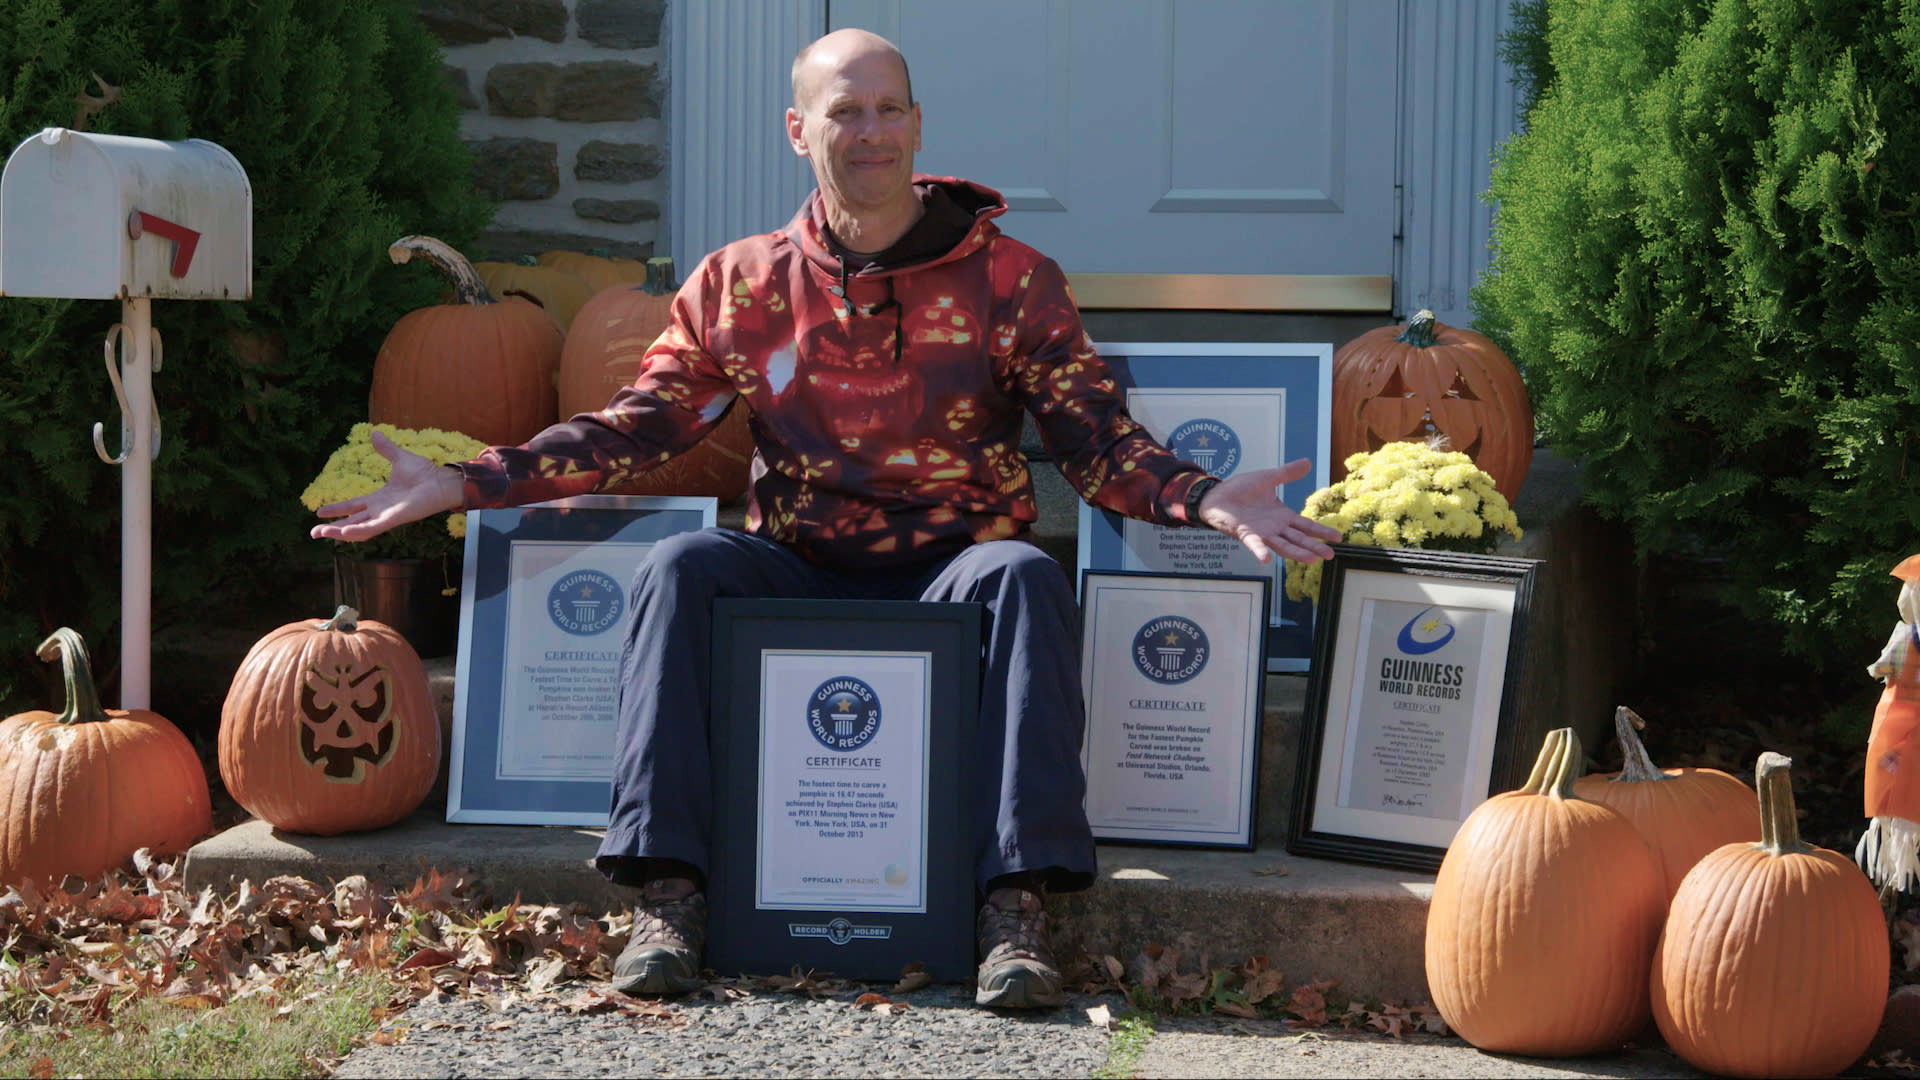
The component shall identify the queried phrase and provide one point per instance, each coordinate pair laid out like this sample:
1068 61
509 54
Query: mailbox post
110 217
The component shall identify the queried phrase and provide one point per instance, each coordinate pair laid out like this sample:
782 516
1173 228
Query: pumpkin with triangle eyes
1425 379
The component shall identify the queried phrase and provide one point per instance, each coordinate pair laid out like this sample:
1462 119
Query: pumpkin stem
660 275
83 701
344 619
467 286
1638 767
1779 821
1560 763
1420 332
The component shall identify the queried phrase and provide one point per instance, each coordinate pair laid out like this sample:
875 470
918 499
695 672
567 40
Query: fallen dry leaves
1254 989
77 953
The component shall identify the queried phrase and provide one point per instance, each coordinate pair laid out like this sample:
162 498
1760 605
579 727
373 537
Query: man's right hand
417 489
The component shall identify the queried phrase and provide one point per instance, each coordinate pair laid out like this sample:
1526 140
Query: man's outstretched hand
417 489
1248 508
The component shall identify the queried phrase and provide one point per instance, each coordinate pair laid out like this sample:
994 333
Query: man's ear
917 127
796 132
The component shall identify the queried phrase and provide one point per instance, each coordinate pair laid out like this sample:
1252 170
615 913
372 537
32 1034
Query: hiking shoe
1016 966
669 930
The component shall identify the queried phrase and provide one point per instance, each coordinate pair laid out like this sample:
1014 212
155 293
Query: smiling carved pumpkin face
1411 383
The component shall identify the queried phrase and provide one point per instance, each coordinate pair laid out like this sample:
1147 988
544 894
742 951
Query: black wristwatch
1197 492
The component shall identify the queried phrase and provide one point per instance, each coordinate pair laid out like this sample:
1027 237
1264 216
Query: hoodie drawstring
899 326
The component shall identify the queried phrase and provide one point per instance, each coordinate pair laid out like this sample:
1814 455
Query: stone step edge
1311 918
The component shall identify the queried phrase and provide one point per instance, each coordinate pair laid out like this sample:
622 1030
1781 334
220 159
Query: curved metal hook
114 336
120 392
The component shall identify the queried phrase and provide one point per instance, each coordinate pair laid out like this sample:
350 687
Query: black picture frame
1407 576
1241 701
743 935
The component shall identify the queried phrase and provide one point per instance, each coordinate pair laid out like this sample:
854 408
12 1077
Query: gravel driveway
941 1033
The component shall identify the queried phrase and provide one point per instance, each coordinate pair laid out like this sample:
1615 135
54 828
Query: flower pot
406 594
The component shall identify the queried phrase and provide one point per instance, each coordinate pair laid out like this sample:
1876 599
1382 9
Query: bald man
888 341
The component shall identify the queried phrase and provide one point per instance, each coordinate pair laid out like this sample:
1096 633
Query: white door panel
1163 136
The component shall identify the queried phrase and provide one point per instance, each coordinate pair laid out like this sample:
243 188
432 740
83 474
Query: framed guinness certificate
1173 672
1410 719
1229 408
841 746
543 617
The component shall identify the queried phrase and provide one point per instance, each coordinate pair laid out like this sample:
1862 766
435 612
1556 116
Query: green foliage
339 111
1706 254
1524 48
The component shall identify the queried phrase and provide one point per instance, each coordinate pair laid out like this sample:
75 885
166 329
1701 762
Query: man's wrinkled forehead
826 62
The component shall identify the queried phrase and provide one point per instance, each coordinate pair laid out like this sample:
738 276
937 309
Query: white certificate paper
1418 698
1224 431
1171 674
1417 681
843 781
565 625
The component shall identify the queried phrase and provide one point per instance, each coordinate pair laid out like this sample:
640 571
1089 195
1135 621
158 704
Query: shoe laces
1013 926
669 916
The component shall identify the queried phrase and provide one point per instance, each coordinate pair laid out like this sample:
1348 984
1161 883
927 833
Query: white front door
1164 136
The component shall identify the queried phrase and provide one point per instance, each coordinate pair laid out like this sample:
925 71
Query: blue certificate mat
543 617
1229 408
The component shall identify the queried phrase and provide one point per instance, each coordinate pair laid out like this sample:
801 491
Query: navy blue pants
1026 814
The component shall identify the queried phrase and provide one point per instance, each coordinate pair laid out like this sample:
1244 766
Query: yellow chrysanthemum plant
1408 494
356 469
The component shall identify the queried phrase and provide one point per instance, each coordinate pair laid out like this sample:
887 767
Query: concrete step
1310 917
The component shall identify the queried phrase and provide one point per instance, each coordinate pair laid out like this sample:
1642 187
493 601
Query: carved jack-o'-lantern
329 727
1411 383
346 720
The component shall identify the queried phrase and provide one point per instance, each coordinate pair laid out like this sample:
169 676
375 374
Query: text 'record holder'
1174 675
842 741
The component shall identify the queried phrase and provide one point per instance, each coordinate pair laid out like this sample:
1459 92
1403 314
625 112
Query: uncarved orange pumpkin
1683 813
1410 383
329 727
598 269
1775 954
482 367
609 337
1544 917
81 790
559 292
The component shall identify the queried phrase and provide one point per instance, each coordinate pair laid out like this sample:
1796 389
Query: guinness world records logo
586 602
843 713
1170 649
1209 444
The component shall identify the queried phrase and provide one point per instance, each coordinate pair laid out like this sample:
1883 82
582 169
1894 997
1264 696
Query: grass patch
151 1037
1131 1034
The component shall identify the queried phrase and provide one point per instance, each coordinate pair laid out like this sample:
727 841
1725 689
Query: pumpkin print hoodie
886 399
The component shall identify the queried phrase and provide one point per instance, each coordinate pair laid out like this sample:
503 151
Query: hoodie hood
965 208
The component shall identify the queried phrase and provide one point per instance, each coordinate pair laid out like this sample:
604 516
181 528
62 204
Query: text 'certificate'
1172 669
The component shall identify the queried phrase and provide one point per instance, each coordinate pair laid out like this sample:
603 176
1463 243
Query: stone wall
565 109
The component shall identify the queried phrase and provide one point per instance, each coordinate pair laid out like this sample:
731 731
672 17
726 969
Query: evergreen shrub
340 112
1707 261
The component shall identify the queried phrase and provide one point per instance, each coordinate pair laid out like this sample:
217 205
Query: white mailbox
111 217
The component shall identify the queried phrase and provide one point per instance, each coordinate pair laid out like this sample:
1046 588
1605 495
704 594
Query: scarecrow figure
1890 850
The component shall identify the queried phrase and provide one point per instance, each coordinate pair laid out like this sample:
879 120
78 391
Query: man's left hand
1248 508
